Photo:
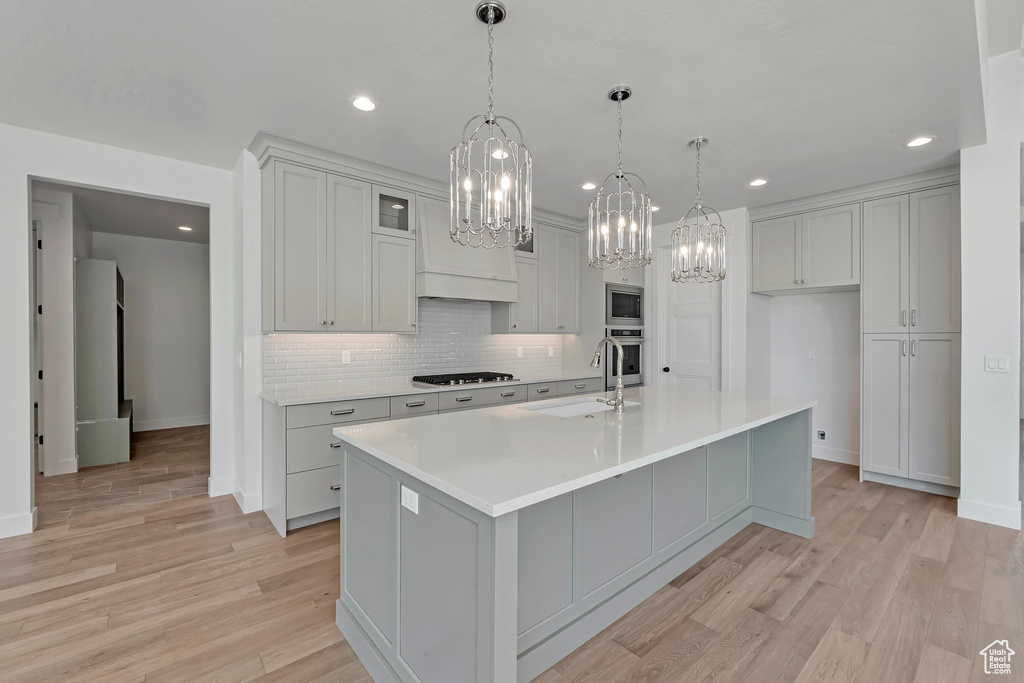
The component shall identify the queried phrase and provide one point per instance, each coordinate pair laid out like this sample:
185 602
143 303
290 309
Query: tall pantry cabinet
910 310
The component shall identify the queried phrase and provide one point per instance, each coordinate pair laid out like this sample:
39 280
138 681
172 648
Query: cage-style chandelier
491 181
698 242
620 215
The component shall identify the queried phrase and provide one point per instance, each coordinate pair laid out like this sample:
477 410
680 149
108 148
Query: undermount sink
577 407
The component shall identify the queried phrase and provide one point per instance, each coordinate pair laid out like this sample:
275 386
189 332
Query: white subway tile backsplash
454 336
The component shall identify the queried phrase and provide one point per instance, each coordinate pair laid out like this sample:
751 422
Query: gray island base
498 565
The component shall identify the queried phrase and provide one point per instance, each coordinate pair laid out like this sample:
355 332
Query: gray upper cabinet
935 260
348 255
817 250
394 284
935 408
299 253
394 212
776 254
885 443
885 285
521 316
830 242
559 280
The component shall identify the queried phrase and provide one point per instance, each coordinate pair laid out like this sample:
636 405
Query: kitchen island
487 545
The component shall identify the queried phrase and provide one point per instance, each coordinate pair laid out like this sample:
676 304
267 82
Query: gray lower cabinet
302 458
911 409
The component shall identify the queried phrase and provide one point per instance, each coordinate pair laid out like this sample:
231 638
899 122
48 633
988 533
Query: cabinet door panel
831 247
394 284
680 496
886 404
348 255
524 311
547 262
300 248
776 261
935 408
935 260
568 282
885 286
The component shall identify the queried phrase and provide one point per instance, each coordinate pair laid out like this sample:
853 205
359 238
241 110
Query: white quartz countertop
505 458
399 387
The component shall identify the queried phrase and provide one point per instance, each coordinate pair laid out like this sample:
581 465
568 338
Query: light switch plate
997 363
411 500
346 357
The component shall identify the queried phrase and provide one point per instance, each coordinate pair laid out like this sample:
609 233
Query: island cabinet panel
370 575
781 470
728 480
680 497
613 528
545 561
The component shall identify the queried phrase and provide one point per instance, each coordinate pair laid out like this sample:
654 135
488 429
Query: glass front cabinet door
394 212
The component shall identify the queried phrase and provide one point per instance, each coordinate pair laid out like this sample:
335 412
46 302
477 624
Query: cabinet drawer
478 398
538 392
580 386
311 448
414 404
310 492
338 412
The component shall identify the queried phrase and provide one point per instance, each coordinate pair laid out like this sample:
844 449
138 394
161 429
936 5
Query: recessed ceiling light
364 103
397 206
758 182
655 208
917 142
499 154
589 186
185 228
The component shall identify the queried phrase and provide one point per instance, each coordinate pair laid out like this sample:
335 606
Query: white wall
826 326
32 154
82 232
167 327
990 249
736 303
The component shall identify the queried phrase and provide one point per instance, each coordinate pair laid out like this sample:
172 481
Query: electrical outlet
411 500
346 357
821 435
810 355
519 351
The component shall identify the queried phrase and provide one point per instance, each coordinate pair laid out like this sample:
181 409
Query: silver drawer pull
347 411
336 444
463 399
335 487
416 404
581 386
508 394
543 391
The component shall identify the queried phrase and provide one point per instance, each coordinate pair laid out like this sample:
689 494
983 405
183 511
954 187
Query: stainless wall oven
632 340
624 305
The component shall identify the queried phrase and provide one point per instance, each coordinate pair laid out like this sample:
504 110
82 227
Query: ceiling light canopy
619 234
491 182
917 142
364 104
698 242
758 182
589 186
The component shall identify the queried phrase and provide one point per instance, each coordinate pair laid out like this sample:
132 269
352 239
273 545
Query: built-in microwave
624 304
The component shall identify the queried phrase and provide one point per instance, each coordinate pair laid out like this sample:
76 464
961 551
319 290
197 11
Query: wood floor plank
836 659
730 654
1002 597
720 611
790 587
896 650
872 588
920 582
965 567
954 622
939 666
937 535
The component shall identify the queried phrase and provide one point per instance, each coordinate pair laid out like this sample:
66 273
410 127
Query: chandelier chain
490 64
620 133
698 174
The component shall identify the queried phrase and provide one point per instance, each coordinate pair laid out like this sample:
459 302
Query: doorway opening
121 350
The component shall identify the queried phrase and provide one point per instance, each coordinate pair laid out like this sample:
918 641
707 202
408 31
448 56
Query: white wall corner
979 511
17 525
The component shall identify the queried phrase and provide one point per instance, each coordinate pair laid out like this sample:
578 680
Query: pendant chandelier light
491 182
698 242
620 214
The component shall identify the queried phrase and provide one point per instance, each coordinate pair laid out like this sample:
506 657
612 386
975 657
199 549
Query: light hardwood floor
128 580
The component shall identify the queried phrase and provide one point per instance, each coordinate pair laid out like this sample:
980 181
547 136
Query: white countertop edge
572 485
385 391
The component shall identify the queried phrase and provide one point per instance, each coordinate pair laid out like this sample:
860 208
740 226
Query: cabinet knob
513 326
335 487
331 323
323 322
665 369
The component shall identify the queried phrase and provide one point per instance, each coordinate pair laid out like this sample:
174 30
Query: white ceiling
812 95
1005 26
126 214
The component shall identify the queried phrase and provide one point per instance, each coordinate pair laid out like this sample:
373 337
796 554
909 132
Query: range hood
447 270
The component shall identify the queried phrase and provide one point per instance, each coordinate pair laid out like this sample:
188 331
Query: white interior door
687 328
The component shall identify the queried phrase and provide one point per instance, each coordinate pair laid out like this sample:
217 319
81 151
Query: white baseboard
64 467
249 502
220 487
988 513
835 455
16 525
170 423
